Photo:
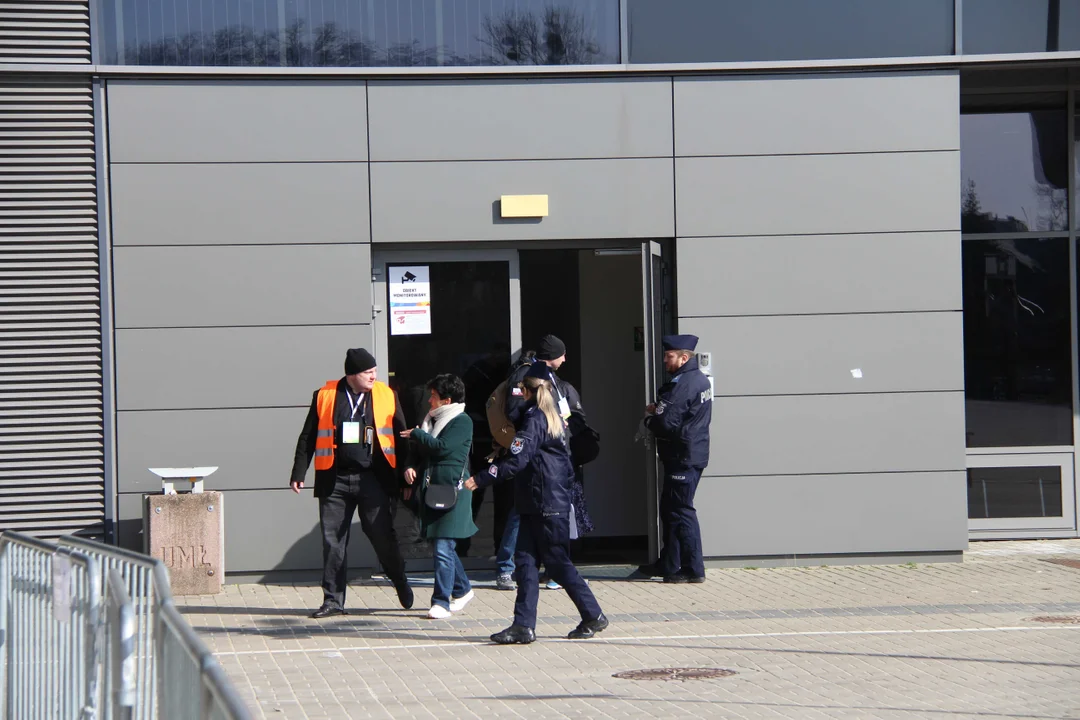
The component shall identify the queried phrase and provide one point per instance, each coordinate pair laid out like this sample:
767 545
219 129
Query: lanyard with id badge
564 404
350 429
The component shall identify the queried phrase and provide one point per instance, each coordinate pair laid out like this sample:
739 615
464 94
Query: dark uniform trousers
352 492
547 540
682 534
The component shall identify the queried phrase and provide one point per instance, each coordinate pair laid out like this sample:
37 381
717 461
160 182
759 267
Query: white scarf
438 418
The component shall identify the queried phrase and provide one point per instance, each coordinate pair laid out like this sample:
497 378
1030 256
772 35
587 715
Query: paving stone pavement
948 640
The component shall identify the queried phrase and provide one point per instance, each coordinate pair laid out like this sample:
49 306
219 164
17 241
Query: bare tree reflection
553 35
557 36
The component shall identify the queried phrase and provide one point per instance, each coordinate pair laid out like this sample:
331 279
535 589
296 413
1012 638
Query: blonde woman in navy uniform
539 462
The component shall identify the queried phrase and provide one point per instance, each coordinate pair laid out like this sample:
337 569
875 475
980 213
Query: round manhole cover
674 674
1059 619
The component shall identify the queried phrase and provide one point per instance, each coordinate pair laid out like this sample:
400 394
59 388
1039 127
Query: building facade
864 210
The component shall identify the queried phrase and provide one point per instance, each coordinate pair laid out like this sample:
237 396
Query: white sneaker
457 604
438 612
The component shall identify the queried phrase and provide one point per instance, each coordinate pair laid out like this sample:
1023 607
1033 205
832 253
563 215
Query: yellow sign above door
523 206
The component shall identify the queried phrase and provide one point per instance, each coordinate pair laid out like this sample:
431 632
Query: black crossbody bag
444 497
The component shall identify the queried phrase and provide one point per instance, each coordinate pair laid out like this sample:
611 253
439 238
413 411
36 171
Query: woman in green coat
441 457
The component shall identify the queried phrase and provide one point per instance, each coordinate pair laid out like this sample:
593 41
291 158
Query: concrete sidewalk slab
957 640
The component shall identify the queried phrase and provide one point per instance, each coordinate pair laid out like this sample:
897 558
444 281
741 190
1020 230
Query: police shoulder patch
660 407
493 470
517 446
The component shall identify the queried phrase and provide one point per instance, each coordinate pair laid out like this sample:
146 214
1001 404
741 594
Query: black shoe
695 579
328 610
677 578
645 572
514 635
587 628
405 595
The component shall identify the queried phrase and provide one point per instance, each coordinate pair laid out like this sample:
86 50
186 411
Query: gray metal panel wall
241 275
240 204
51 399
444 152
887 512
829 114
818 222
459 201
229 285
521 119
813 274
229 121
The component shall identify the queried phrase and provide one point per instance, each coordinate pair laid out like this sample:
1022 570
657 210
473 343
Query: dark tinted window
360 33
1014 492
1014 172
1017 342
674 31
1021 26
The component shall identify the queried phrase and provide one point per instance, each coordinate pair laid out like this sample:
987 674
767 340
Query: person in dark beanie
551 351
350 432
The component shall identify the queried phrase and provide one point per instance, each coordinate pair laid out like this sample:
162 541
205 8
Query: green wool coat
445 456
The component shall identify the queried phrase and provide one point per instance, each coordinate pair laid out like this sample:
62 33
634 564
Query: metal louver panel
45 31
51 411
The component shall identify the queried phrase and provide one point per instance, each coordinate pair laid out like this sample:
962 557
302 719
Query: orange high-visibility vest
383 409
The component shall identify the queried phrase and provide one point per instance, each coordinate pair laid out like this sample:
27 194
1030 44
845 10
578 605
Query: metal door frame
653 323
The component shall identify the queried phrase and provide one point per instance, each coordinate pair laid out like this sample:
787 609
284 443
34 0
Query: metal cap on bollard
170 477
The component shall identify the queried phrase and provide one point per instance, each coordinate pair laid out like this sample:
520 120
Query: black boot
587 628
405 595
514 635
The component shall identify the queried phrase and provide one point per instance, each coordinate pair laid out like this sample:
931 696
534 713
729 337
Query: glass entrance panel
1020 493
447 312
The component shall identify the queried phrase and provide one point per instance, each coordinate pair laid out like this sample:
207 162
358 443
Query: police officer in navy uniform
679 419
539 462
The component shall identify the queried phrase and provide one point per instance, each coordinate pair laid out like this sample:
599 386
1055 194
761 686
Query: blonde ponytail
545 401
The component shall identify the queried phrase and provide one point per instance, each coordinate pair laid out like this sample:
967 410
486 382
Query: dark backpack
584 441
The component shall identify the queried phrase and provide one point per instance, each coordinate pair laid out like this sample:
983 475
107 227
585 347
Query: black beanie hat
357 360
550 348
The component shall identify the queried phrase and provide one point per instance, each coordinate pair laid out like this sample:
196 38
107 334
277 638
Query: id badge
564 408
350 433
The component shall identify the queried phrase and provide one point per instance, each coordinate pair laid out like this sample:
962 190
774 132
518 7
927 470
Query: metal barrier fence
147 583
153 663
50 603
119 684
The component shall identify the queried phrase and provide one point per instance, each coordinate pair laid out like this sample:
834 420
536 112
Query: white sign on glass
410 300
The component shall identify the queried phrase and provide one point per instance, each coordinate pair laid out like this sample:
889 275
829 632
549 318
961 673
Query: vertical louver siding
51 413
44 31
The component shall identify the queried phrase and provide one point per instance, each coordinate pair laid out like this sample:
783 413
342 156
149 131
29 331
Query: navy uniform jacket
681 422
540 466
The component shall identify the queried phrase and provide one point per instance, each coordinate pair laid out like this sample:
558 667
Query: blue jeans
450 574
504 558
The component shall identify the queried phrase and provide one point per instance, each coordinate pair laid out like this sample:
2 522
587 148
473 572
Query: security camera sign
410 300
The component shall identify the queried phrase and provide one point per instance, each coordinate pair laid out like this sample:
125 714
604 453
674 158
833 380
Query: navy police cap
679 342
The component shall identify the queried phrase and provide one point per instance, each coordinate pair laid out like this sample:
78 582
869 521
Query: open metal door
652 282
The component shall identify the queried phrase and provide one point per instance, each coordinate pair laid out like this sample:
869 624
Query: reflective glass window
1014 492
1014 172
1017 342
360 33
683 31
1020 26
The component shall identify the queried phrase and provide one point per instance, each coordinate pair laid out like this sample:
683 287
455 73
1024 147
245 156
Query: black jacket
681 422
389 478
540 466
515 404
